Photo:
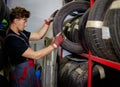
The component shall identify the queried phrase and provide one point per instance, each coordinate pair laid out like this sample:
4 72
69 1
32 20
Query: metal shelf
92 58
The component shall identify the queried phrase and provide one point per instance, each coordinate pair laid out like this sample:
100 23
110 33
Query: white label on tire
105 32
94 24
115 4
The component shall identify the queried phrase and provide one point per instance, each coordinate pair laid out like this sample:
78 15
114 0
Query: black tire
82 24
112 21
67 1
68 27
77 12
58 24
74 33
76 58
75 73
93 35
66 66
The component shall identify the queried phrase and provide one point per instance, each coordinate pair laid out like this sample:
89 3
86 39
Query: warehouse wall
40 10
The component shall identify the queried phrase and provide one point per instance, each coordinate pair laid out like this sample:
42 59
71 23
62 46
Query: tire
66 66
58 24
68 27
74 33
82 24
93 34
112 22
76 58
67 1
75 73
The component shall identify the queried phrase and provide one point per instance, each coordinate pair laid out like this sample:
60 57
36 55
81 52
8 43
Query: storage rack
91 58
100 60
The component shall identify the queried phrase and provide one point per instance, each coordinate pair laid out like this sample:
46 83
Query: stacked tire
73 72
78 7
97 31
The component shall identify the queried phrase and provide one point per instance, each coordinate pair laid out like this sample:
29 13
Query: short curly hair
19 12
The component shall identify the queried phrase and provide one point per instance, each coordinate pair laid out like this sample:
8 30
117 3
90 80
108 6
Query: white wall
40 10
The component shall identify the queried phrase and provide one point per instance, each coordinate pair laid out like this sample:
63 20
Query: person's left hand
51 18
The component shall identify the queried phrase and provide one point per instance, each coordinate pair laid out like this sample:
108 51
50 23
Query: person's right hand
57 41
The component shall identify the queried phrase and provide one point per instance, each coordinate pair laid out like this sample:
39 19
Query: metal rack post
100 60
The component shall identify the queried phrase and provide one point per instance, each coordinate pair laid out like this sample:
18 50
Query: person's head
19 16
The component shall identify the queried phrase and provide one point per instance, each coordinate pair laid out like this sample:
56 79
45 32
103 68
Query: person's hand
51 18
57 41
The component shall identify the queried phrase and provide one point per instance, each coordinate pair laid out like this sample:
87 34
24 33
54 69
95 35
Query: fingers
51 18
60 35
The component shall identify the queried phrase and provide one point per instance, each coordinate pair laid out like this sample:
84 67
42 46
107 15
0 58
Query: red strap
90 69
24 75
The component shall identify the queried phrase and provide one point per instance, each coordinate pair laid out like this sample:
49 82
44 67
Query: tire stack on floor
97 30
73 72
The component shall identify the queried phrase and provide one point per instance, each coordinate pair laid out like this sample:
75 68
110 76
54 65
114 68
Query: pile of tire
4 22
96 31
73 72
